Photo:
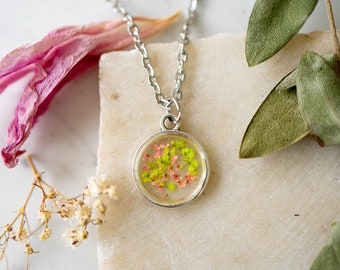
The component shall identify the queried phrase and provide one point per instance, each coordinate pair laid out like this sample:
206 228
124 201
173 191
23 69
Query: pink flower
157 185
174 159
190 178
182 184
146 157
163 146
174 176
157 154
156 147
58 58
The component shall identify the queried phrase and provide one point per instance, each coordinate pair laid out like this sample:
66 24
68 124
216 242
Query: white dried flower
66 211
100 207
52 194
110 192
97 221
44 216
71 237
99 185
46 233
95 186
75 237
83 214
78 204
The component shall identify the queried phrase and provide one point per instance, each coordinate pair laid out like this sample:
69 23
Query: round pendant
170 168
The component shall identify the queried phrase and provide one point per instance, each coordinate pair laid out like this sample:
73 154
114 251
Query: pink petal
58 58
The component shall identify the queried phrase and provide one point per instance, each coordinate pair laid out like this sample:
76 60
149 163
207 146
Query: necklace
170 168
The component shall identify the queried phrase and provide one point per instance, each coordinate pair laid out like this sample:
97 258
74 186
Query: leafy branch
306 101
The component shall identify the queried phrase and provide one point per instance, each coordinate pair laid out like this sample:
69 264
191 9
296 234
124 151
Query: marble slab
273 212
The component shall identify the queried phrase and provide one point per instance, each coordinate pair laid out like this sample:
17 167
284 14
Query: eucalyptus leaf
272 24
277 123
319 97
329 257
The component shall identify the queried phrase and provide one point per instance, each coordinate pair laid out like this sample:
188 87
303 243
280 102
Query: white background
64 141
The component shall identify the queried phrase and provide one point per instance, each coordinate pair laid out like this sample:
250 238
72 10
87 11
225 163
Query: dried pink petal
57 59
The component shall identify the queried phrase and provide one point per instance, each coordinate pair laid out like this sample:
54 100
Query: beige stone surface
273 212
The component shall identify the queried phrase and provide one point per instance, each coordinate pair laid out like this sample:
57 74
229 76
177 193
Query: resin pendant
170 168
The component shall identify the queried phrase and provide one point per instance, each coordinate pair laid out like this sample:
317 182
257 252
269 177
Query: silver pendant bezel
203 180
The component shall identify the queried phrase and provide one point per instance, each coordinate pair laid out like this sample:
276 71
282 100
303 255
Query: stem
333 27
50 187
36 229
22 210
27 261
37 177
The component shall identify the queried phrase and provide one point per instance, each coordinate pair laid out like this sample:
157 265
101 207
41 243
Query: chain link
182 55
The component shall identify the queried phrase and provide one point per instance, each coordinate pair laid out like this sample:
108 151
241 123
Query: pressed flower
57 59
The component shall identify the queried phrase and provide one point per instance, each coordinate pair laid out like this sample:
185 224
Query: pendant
170 168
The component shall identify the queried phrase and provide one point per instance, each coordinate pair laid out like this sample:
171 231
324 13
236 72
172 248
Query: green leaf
319 97
329 257
272 24
277 123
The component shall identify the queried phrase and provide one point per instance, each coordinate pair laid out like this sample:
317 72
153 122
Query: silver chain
182 55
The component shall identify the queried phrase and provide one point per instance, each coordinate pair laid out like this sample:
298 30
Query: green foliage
319 97
272 24
329 257
307 101
277 123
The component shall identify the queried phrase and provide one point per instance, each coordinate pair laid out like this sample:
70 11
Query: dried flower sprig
82 210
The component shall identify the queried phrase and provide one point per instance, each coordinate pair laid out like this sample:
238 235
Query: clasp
171 120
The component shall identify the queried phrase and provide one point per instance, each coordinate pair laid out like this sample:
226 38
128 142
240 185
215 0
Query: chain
182 55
